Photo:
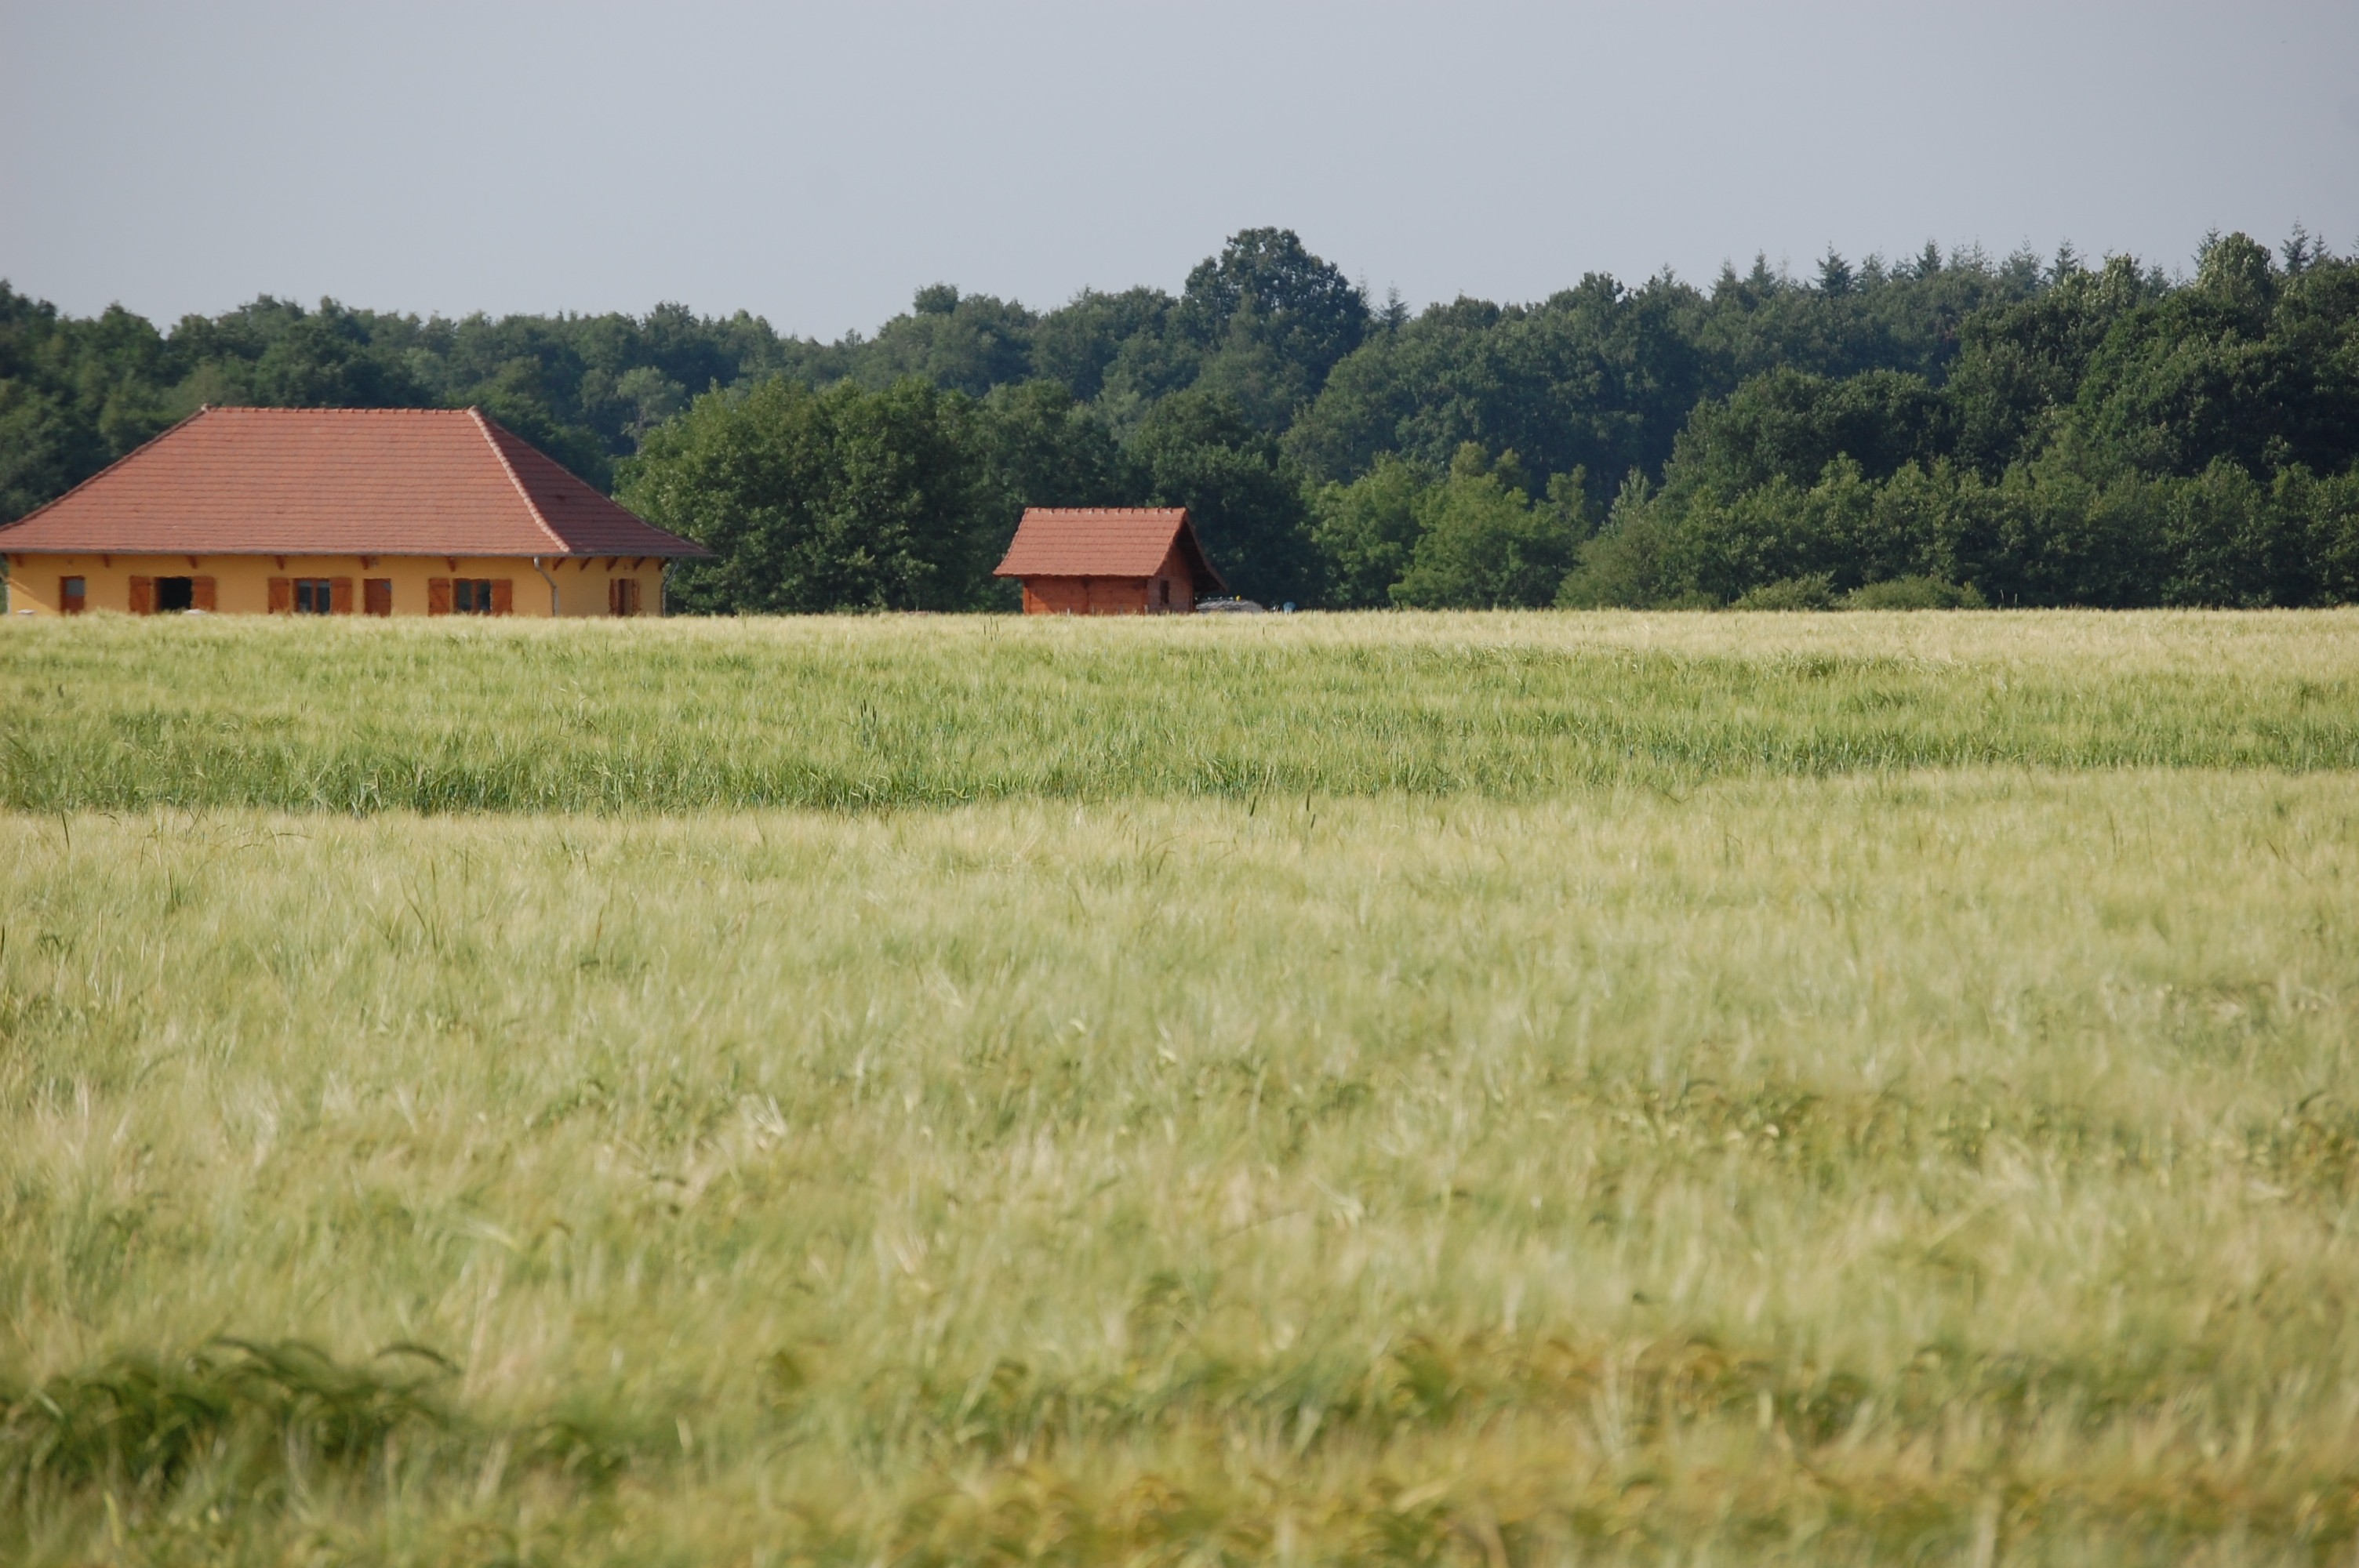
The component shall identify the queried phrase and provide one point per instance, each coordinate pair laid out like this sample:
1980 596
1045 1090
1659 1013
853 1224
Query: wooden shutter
282 594
339 595
437 596
143 596
200 593
377 596
502 596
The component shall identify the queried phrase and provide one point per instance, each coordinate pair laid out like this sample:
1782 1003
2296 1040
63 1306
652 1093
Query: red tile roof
338 481
1104 541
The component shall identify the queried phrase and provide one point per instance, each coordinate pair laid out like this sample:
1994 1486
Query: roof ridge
530 506
1095 541
202 409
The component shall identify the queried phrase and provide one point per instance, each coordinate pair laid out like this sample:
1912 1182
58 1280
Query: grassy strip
1466 1450
1801 1170
114 714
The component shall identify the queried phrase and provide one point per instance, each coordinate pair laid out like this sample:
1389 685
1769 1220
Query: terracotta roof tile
1102 541
338 481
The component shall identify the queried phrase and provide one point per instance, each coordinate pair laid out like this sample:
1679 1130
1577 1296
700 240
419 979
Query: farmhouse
333 512
1124 560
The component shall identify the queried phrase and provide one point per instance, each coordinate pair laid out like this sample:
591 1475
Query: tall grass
111 713
1901 1167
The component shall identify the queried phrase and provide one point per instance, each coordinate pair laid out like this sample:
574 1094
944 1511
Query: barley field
1452 1089
858 713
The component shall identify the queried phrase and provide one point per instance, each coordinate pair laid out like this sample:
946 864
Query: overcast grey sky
817 164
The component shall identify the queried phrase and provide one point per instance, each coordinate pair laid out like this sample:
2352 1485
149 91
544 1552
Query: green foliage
1597 377
586 389
1080 344
968 344
322 361
2243 366
1632 562
1040 446
2050 433
1197 449
1270 320
44 450
1470 539
2111 441
2329 509
1913 593
1812 592
1367 531
821 501
1482 544
1789 424
2021 364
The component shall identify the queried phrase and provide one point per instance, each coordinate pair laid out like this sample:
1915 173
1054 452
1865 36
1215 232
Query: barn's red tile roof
338 481
1104 541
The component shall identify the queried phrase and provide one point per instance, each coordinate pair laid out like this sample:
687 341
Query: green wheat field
1483 1089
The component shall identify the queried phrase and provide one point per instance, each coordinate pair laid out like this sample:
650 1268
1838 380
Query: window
622 596
376 595
175 593
470 596
72 594
314 596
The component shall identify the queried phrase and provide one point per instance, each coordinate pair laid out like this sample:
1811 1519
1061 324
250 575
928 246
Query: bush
1483 544
1367 531
1914 593
820 501
1815 592
1639 560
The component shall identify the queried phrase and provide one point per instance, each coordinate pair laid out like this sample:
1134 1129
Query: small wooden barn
1110 560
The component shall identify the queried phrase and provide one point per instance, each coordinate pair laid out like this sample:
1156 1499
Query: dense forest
1944 429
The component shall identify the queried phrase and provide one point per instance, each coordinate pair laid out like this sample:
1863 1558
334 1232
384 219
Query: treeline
76 395
1946 429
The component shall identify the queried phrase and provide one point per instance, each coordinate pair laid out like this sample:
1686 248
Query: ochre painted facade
381 585
1171 592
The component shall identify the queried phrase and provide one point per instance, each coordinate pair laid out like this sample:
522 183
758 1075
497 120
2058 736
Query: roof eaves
532 508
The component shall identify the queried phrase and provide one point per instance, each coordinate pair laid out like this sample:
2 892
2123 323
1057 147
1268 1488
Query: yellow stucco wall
242 583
